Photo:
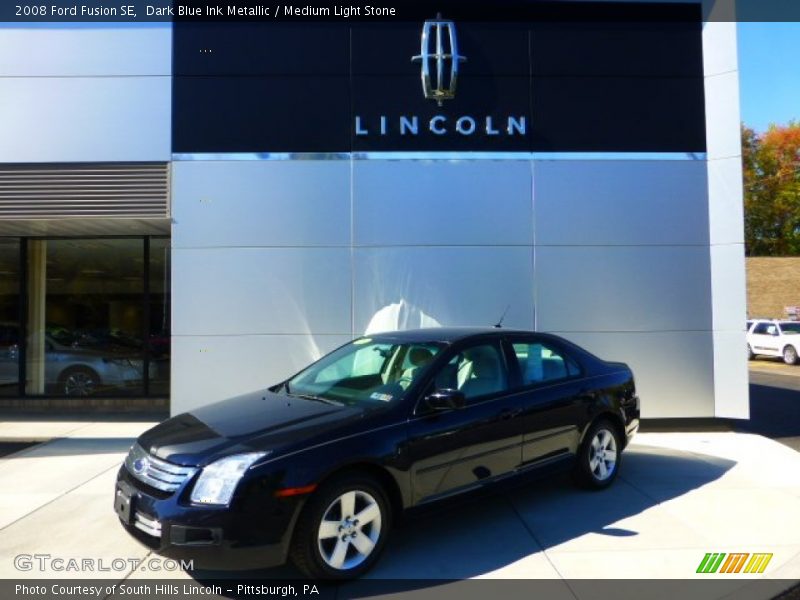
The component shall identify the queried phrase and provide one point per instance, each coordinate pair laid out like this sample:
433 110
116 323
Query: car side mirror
445 399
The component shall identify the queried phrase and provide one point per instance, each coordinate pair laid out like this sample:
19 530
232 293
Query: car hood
261 421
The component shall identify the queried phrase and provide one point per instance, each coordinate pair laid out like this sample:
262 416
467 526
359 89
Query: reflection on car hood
248 423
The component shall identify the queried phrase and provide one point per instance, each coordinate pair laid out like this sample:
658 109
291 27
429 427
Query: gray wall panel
261 291
84 49
605 202
674 371
209 369
84 119
623 288
409 202
261 203
454 286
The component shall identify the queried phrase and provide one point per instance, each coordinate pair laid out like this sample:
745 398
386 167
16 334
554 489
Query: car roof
443 334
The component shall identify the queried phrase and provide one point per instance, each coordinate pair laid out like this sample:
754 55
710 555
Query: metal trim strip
451 156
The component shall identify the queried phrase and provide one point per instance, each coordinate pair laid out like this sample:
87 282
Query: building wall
80 92
773 283
637 257
276 260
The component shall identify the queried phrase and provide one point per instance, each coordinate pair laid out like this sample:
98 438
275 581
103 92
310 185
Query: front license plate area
123 502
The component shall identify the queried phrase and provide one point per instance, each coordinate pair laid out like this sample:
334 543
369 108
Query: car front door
457 449
765 339
555 397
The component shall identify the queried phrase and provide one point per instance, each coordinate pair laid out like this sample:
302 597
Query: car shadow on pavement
479 534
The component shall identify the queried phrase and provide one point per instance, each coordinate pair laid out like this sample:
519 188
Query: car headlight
218 480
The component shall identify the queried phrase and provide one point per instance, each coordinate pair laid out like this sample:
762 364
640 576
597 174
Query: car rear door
454 450
554 396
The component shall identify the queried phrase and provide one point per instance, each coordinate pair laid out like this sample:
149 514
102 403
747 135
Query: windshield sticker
381 397
362 341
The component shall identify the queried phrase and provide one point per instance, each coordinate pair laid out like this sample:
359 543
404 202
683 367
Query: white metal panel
620 202
261 203
723 118
731 381
247 291
726 201
84 119
410 202
719 47
208 369
451 286
674 370
623 288
728 287
86 49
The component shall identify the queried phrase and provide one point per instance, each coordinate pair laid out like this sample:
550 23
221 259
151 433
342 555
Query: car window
477 371
772 330
365 371
761 328
540 363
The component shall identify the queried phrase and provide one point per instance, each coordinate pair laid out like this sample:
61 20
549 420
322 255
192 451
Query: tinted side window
477 371
761 328
539 363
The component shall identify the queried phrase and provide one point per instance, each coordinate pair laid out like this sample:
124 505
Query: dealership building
194 210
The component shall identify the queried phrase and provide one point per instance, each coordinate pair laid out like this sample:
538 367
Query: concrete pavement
679 496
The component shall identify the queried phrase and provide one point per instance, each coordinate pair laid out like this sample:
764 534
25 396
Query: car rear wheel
79 381
790 355
750 355
342 530
599 456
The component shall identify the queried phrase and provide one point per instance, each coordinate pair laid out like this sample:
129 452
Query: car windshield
790 327
364 372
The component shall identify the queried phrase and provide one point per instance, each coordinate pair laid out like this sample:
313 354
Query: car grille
155 472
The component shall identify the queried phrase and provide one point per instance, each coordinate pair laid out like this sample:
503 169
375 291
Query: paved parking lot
774 401
679 496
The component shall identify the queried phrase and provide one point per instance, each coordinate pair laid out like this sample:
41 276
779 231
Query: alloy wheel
349 530
603 455
789 355
79 383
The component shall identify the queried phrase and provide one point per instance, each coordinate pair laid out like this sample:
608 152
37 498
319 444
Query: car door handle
509 413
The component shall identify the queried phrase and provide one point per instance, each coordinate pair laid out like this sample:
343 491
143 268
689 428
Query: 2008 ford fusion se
317 468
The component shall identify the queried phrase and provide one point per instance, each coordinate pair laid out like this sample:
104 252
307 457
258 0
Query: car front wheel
79 381
790 355
599 456
342 530
750 355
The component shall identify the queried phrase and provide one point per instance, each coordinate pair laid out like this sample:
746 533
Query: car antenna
499 324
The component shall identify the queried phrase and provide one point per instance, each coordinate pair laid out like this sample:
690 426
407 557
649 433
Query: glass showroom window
97 317
9 317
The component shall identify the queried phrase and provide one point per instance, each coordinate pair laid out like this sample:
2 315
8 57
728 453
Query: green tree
771 164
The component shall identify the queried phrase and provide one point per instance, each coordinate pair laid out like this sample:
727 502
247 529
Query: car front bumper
254 532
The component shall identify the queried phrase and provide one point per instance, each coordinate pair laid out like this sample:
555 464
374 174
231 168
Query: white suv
774 338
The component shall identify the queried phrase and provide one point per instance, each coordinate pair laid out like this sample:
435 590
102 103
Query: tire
78 382
599 456
320 555
750 355
790 355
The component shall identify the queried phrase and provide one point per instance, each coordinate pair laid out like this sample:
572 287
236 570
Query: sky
769 75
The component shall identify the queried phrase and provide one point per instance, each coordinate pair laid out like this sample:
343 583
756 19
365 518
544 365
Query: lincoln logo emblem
439 85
